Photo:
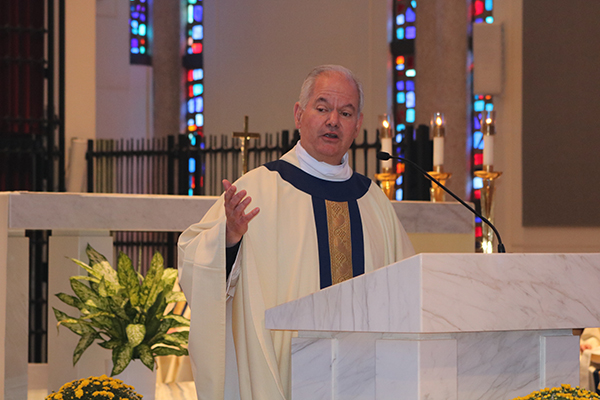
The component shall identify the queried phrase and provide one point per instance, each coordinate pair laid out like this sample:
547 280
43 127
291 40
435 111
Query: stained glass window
194 90
139 32
481 13
403 53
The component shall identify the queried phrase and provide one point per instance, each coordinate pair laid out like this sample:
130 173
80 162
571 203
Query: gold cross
245 137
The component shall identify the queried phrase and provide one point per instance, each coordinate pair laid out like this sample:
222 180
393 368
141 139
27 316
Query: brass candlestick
387 182
488 175
436 193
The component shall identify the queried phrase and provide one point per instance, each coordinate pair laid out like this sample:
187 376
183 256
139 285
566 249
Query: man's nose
334 118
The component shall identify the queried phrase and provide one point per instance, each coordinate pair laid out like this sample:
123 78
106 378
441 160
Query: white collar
320 169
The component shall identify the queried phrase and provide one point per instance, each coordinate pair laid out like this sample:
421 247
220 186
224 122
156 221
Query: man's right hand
237 219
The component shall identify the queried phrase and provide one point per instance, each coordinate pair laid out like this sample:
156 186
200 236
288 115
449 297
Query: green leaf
72 301
182 335
174 297
73 324
87 295
167 351
111 344
173 340
135 334
94 256
179 320
121 357
169 278
87 268
128 279
152 284
100 265
146 356
86 278
86 340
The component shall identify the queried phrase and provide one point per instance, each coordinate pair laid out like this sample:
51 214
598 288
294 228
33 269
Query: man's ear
358 125
297 114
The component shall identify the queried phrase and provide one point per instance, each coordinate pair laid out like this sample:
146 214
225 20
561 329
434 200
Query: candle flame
386 124
438 121
488 121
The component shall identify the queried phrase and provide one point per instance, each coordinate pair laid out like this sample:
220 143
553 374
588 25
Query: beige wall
509 155
258 53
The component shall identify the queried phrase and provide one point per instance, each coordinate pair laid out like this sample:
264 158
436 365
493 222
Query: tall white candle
386 146
488 150
438 150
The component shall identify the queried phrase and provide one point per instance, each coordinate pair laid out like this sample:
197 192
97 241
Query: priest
311 222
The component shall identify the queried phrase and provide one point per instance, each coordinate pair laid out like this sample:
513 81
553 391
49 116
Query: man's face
330 122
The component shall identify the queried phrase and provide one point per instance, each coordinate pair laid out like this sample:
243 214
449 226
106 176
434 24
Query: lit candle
438 128
488 128
385 135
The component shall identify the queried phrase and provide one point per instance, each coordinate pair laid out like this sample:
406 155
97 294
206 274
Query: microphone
382 155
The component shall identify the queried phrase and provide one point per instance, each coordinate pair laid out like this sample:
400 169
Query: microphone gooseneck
382 155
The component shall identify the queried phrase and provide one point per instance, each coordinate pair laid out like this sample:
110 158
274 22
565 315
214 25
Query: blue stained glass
192 1
190 14
478 140
197 32
189 50
411 32
489 19
135 50
489 5
190 192
192 165
198 89
400 98
142 29
414 3
199 120
199 104
477 220
198 74
134 24
410 85
410 15
135 15
190 122
410 115
411 73
134 43
399 67
198 13
476 123
191 106
400 85
478 20
410 99
193 140
399 180
400 127
400 33
202 146
142 50
400 19
399 138
399 194
479 105
477 183
489 107
143 18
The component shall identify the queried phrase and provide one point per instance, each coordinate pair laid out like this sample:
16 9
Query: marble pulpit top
131 212
438 293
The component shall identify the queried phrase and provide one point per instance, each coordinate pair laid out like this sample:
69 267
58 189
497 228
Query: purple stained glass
410 85
410 15
198 13
400 85
476 123
411 32
143 18
134 43
135 15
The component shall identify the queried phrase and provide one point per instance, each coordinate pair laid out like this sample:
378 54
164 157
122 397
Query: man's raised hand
237 219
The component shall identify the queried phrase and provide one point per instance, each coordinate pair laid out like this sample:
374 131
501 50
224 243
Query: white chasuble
290 250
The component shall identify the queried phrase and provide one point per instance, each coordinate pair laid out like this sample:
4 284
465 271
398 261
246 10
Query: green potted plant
125 311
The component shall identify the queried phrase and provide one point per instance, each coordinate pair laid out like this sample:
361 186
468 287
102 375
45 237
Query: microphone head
382 155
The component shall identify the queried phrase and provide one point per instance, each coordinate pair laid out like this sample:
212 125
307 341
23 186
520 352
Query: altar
79 219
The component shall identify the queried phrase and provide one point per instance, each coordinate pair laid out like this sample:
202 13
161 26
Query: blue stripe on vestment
347 191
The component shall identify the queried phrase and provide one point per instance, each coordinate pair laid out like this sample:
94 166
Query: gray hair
309 84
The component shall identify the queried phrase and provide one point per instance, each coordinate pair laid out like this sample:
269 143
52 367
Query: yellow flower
79 393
